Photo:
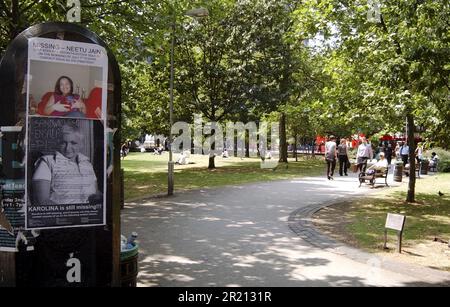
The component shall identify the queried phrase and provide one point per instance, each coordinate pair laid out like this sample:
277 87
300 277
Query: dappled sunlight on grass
361 223
146 174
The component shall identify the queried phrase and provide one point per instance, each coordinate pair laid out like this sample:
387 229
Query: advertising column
60 106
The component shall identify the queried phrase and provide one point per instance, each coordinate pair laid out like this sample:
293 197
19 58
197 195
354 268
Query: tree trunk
211 163
212 155
412 158
15 20
247 147
283 145
295 148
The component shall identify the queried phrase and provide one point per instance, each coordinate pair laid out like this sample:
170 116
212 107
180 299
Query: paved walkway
243 236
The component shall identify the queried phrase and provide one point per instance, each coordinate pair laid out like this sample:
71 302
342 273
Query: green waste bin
129 267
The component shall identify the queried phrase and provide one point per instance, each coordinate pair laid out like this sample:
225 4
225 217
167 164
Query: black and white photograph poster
66 144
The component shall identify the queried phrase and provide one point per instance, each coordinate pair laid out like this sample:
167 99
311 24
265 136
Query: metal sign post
395 222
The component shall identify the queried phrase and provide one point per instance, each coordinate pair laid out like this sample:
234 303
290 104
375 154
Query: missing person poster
66 145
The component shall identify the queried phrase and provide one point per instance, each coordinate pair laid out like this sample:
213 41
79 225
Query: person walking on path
343 158
364 153
330 156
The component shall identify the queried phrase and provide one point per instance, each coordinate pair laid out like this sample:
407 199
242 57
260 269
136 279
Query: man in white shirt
66 177
404 153
380 166
364 153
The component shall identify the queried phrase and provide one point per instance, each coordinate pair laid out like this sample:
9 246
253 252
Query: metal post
199 12
399 247
122 188
171 164
385 239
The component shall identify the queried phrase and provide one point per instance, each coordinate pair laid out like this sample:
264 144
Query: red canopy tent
386 137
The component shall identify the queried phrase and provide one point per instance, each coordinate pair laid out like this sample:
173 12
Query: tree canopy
323 66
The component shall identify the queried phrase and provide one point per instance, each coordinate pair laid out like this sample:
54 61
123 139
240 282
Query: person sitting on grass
184 158
225 153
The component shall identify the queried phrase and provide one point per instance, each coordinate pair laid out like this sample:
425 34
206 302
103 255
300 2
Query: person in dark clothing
124 150
388 153
343 157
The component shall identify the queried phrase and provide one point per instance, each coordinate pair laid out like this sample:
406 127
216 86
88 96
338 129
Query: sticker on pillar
12 191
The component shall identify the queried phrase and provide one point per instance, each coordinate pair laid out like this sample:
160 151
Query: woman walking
343 157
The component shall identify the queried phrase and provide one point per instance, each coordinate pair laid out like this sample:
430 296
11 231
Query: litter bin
129 267
424 167
398 171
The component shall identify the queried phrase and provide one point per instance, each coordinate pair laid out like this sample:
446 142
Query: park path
239 236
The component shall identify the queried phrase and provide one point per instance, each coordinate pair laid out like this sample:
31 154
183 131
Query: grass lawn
361 223
146 173
426 219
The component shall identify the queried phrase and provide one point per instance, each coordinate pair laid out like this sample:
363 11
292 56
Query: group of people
334 153
365 153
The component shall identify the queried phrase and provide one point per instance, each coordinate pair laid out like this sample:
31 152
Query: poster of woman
66 79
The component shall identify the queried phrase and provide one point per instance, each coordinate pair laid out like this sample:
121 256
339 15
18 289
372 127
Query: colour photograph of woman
64 102
69 91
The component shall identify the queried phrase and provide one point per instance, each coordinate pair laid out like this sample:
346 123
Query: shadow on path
239 236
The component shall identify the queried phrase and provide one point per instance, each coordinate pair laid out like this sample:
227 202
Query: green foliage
380 71
444 158
444 166
442 153
16 16
254 57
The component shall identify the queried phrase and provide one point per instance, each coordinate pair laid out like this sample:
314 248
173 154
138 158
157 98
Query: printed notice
66 145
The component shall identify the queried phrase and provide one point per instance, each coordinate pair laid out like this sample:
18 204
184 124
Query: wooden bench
372 178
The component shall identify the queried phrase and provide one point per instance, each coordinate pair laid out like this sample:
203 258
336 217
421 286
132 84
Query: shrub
444 159
444 166
444 155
